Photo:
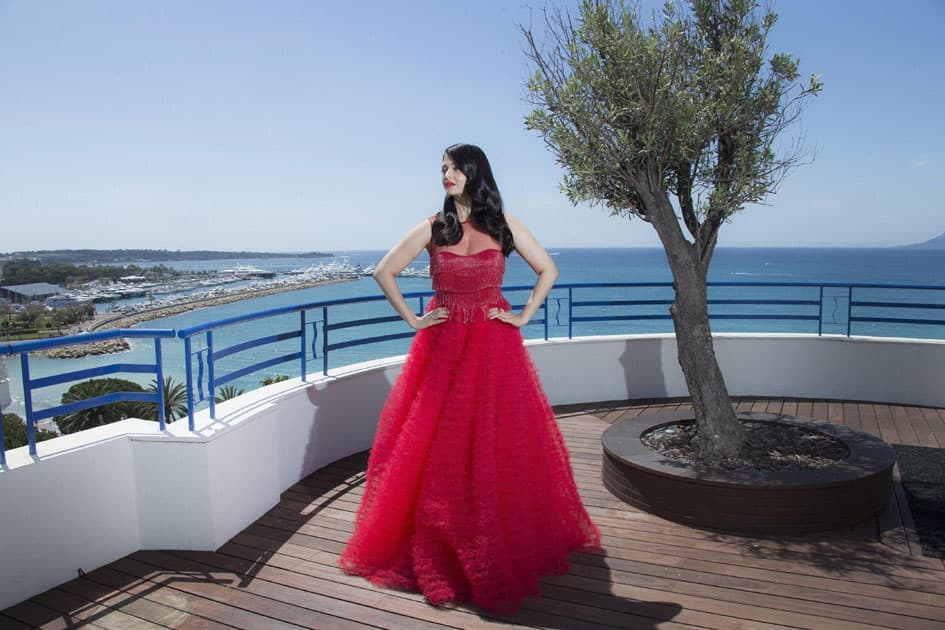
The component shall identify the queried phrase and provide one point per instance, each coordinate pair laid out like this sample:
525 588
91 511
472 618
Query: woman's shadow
586 597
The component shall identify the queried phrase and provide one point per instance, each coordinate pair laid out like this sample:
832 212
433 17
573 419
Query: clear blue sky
298 126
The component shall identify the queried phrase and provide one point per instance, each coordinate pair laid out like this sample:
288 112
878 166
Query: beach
112 321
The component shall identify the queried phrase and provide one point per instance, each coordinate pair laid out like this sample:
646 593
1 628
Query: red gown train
469 493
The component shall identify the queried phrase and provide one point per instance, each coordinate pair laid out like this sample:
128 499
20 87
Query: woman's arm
395 261
539 260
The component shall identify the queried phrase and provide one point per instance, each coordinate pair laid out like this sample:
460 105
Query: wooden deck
281 571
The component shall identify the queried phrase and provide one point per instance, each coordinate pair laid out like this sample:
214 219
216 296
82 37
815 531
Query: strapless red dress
469 494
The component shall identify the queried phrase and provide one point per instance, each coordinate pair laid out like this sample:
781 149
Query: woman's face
454 180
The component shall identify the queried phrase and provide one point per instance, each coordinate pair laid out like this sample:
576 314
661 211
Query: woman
469 493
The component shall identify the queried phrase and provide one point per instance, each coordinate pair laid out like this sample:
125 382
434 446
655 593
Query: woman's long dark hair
486 201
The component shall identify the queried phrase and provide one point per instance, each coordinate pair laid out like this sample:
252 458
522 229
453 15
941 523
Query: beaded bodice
468 283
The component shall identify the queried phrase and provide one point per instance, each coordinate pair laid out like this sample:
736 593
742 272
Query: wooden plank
921 427
325 565
890 528
887 425
868 420
936 425
162 592
149 611
775 405
789 407
80 611
759 404
851 415
9 623
35 615
835 412
318 580
223 588
805 408
813 599
904 427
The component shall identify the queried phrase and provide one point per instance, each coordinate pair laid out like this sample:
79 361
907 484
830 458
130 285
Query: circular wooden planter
771 502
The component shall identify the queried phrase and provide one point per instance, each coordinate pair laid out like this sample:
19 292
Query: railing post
570 312
189 372
28 401
159 373
211 384
325 340
820 314
849 309
545 306
302 341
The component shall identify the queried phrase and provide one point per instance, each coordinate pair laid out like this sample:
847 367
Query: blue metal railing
30 384
325 327
792 307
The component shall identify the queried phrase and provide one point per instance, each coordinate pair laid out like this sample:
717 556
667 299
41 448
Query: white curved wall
93 497
905 371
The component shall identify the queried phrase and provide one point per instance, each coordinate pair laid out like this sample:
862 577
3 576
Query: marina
132 294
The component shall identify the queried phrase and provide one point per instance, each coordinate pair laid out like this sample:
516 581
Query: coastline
110 321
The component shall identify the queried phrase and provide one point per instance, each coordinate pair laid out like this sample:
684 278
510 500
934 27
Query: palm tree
226 392
103 414
175 399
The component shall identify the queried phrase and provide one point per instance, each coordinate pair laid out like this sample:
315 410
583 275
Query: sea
914 267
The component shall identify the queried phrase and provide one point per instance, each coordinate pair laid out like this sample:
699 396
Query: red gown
469 493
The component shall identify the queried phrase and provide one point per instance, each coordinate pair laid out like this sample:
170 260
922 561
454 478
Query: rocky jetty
111 322
109 346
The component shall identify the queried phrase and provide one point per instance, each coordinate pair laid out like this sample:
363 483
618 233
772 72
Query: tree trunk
720 434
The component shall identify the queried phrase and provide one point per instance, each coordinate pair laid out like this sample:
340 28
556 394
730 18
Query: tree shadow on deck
879 546
903 544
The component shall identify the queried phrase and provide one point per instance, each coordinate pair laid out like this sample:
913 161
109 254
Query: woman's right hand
432 318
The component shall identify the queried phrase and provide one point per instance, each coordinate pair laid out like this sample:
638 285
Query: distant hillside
106 256
936 243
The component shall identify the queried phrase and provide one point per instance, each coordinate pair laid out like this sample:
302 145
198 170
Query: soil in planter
769 446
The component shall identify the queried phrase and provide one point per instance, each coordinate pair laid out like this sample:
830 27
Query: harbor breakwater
112 321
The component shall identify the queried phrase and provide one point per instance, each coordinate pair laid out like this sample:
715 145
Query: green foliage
685 106
175 400
103 414
27 323
227 392
277 378
14 432
29 271
175 403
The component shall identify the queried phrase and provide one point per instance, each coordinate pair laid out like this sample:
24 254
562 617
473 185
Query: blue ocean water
602 265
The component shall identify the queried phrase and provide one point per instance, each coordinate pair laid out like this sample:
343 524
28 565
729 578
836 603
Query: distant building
26 293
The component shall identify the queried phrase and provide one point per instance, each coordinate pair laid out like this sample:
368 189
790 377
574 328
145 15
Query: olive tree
678 123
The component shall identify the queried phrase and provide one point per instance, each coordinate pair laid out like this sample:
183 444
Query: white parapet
92 497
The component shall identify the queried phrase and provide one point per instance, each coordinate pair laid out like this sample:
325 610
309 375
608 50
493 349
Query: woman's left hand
508 317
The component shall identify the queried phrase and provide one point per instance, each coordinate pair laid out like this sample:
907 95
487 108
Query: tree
227 392
175 400
103 414
686 108
31 315
14 432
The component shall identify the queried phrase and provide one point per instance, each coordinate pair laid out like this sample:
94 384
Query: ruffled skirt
469 493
